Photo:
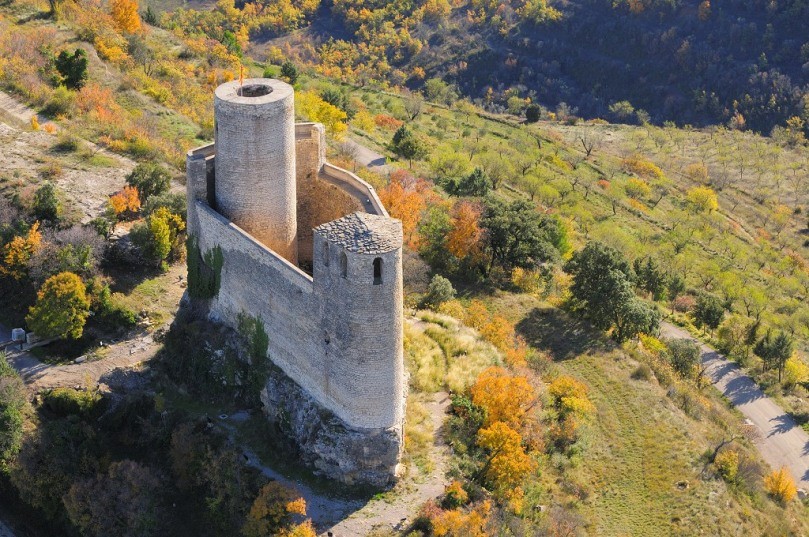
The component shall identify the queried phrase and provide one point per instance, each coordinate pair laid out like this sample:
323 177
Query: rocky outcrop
327 444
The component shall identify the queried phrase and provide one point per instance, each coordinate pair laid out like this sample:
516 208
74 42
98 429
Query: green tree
476 183
159 236
13 402
61 309
407 145
46 203
775 351
532 113
151 179
650 277
709 311
73 68
439 291
289 71
603 292
518 236
684 355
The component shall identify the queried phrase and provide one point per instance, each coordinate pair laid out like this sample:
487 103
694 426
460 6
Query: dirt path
396 510
39 376
781 442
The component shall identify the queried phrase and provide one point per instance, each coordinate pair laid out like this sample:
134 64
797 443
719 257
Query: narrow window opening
326 254
343 265
377 271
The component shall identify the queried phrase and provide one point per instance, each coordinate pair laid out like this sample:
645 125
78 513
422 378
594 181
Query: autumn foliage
125 15
14 256
406 198
506 398
126 201
780 485
464 239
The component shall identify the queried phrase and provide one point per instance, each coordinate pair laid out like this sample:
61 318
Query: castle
264 199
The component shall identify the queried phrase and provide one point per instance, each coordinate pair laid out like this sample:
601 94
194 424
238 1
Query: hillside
605 434
683 61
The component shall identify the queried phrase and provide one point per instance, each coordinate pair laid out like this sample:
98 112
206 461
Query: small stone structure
264 198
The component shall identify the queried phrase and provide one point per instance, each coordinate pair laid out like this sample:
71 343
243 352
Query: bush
151 179
46 203
439 291
61 308
67 401
727 465
532 113
684 355
780 485
13 401
454 496
642 372
73 68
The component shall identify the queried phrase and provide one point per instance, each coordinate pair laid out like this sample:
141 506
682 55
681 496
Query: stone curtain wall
318 201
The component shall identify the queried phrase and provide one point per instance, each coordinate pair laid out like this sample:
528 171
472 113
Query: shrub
684 355
532 113
46 203
642 372
68 401
727 464
780 485
439 291
73 68
454 496
685 303
150 179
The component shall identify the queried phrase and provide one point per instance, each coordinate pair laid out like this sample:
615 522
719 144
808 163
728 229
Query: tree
313 107
289 71
684 355
61 309
15 255
124 501
407 145
604 293
73 68
518 236
702 199
774 352
273 510
532 113
159 236
439 291
13 402
709 311
505 397
650 277
126 201
150 179
46 203
476 183
508 463
464 240
125 15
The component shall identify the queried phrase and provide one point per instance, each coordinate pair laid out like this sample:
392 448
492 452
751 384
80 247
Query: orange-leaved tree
464 239
125 15
406 198
508 464
506 398
15 255
272 513
126 201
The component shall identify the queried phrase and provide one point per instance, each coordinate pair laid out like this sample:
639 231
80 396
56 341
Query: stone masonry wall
318 201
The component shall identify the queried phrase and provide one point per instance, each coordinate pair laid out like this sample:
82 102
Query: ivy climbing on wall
204 271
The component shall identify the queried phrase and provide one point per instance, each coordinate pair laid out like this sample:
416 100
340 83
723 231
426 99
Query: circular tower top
363 233
255 93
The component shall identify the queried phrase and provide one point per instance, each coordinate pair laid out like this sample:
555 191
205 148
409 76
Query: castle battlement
264 195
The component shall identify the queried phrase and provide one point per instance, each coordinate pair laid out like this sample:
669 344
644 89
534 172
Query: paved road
370 158
781 442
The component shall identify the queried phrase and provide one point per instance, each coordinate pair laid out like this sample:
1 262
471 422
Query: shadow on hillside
554 331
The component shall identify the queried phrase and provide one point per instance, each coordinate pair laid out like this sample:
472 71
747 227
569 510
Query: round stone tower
255 161
358 275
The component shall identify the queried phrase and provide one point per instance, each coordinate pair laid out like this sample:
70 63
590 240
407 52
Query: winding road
782 442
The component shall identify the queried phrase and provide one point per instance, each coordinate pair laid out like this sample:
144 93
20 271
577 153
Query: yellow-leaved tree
14 256
311 106
272 513
125 15
61 309
780 485
702 199
506 398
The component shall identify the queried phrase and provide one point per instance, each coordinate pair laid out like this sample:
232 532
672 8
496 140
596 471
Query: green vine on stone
204 271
